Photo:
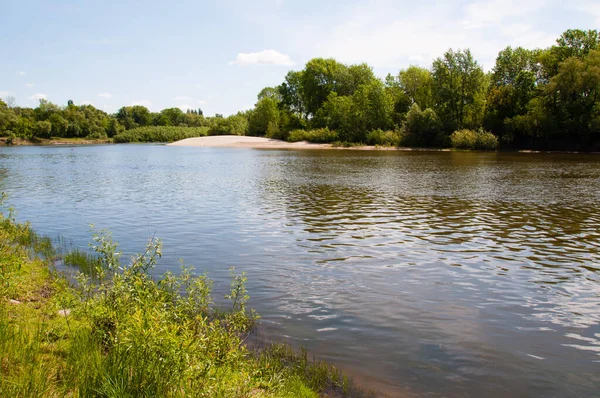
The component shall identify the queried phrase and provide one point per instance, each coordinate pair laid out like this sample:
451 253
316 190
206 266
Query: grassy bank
118 332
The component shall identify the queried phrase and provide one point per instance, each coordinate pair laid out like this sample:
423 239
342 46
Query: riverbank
120 332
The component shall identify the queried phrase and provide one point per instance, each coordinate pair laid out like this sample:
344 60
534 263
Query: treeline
130 123
542 99
531 99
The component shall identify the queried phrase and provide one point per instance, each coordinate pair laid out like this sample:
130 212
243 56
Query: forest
544 99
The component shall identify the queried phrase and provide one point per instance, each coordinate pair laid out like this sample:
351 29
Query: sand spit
240 141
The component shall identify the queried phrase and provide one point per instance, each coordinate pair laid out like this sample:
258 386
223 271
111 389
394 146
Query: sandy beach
239 141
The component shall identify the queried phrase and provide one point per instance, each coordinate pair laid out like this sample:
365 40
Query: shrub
317 136
160 134
423 128
469 139
384 138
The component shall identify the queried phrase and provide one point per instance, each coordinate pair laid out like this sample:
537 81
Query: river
451 274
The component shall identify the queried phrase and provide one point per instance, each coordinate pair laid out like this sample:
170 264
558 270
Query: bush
423 128
384 138
160 134
317 136
469 139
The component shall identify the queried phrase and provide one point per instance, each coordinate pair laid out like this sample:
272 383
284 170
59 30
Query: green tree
266 113
459 87
513 84
423 128
417 84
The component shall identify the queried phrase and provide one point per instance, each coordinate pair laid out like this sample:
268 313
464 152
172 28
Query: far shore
240 141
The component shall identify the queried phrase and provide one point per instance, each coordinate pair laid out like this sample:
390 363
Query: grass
118 332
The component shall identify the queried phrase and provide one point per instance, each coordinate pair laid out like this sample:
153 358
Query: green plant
318 136
469 139
160 134
384 138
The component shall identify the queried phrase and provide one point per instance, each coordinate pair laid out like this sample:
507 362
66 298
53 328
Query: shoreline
241 141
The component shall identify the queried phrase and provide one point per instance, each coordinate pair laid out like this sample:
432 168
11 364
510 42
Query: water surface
437 273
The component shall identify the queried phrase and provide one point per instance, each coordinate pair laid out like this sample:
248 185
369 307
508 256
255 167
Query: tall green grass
160 134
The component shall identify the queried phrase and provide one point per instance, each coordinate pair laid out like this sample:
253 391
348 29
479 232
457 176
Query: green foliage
417 84
423 128
317 136
385 138
459 87
264 119
469 139
160 134
232 125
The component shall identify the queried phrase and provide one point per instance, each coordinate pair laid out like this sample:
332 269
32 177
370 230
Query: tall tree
417 84
459 86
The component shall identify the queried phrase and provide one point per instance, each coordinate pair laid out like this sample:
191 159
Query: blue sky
217 55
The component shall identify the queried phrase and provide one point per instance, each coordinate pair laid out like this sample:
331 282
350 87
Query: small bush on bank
384 138
160 134
316 136
469 139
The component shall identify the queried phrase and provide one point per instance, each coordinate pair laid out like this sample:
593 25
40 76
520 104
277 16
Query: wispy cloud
202 102
105 95
29 84
38 96
21 73
182 98
266 57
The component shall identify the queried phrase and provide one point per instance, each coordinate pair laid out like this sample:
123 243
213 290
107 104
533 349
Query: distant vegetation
160 134
531 99
120 332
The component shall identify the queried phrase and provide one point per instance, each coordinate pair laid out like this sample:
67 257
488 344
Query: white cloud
182 98
202 102
266 57
29 84
143 102
105 95
4 94
38 96
107 107
21 73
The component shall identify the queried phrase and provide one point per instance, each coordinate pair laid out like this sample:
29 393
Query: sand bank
238 141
